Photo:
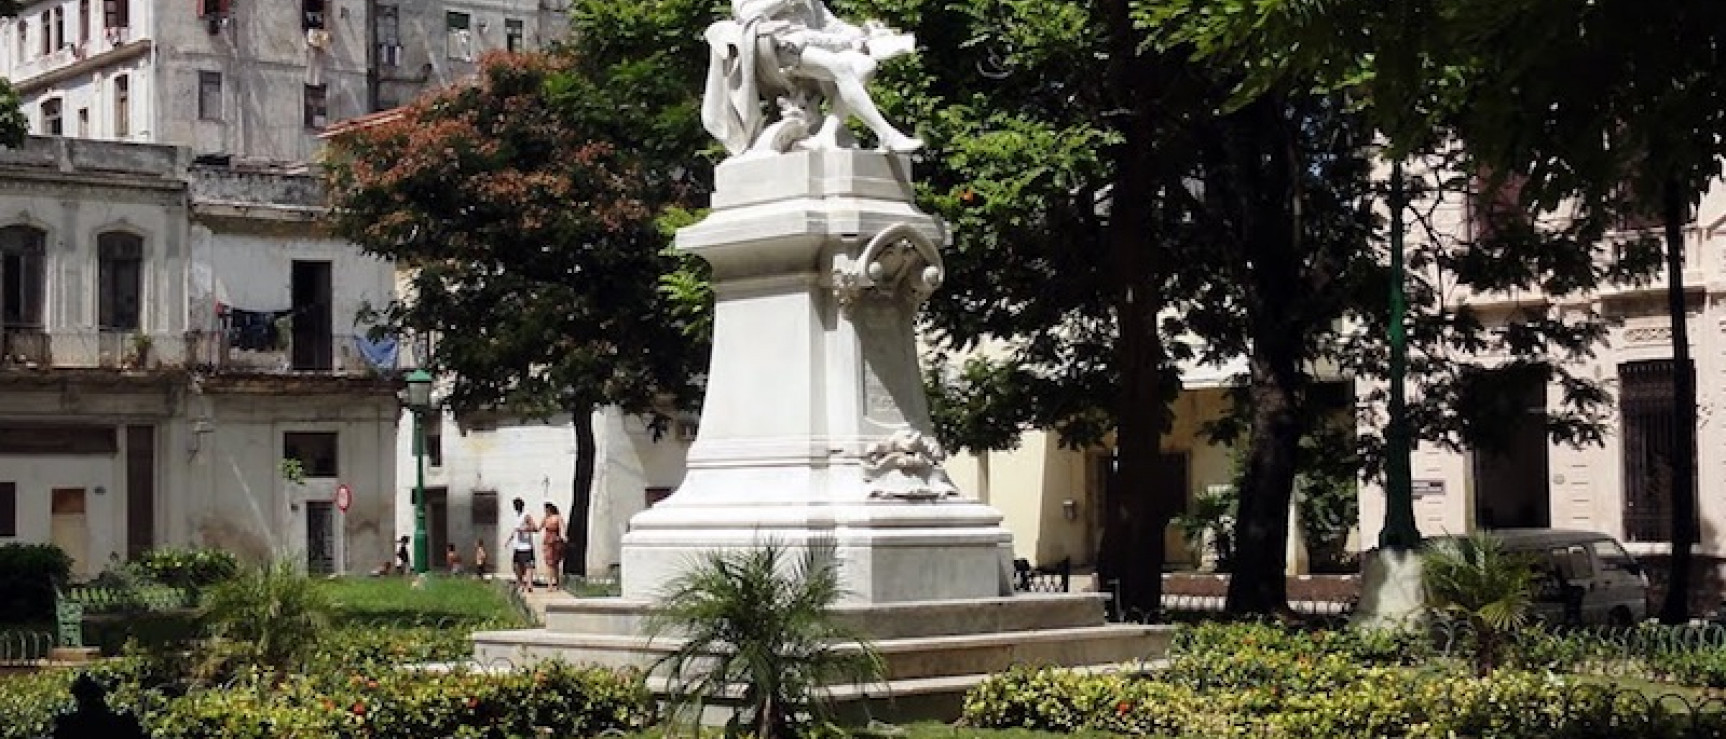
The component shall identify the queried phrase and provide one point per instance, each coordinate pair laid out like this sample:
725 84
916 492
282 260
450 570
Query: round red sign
344 497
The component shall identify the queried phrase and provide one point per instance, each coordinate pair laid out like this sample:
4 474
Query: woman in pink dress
552 526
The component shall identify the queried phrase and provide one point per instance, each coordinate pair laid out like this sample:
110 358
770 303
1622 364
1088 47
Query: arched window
22 251
120 281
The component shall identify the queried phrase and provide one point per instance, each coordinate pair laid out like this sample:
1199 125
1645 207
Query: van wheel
1620 616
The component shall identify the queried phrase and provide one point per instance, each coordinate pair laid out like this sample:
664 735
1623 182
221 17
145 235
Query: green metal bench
73 605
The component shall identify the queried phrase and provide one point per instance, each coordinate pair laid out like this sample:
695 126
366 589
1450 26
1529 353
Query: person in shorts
521 544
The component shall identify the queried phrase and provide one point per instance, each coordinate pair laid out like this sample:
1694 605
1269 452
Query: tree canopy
526 209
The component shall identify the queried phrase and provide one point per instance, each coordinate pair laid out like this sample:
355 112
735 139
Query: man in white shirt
521 545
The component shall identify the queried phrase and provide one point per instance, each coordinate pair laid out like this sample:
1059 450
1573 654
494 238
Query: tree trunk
1130 557
1263 161
1258 583
575 525
1676 609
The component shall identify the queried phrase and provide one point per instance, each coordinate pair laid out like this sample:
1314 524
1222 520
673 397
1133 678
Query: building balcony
204 351
1703 266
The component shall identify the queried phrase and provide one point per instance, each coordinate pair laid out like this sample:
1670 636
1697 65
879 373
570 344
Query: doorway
1508 454
437 524
320 537
68 529
313 347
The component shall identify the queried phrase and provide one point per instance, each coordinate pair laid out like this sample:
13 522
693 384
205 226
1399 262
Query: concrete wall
216 468
235 497
265 58
535 461
1030 485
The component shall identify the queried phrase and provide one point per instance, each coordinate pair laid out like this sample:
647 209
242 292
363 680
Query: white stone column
815 425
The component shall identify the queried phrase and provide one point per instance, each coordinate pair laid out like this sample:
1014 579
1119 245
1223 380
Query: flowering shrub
1393 703
555 698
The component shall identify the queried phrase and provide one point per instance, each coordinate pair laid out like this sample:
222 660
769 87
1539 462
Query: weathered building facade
249 81
173 335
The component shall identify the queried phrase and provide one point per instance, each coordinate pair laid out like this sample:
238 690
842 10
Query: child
479 557
452 559
403 561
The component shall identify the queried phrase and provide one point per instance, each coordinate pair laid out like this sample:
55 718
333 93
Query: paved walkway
537 599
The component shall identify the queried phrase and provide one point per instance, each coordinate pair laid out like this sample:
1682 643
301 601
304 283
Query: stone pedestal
816 429
815 425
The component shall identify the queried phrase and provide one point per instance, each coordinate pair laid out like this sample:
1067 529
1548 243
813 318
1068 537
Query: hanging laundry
255 330
381 353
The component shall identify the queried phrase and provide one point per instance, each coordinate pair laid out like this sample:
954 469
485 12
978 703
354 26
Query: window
512 34
23 39
1646 405
434 447
120 278
47 34
116 13
389 32
83 21
1613 557
316 451
460 40
484 511
317 109
21 272
210 96
1495 206
58 25
8 509
312 15
216 9
122 106
51 123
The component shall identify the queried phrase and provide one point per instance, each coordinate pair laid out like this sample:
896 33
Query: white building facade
476 466
172 335
1620 487
247 81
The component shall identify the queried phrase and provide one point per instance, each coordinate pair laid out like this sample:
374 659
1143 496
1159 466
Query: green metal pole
1399 530
422 558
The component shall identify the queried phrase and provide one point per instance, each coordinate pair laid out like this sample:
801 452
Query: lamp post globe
419 402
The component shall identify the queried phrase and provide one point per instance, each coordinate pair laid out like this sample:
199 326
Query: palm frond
753 620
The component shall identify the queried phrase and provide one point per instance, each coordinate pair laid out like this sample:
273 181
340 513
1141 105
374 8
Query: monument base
935 651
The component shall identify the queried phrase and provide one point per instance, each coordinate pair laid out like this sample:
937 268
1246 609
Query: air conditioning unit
686 430
389 55
78 51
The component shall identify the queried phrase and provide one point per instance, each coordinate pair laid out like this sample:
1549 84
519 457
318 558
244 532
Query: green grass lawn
921 730
398 601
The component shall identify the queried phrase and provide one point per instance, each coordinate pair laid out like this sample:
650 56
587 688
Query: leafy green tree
14 126
1045 155
1609 107
760 619
528 206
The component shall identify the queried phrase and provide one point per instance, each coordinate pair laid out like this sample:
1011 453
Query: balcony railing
216 351
25 346
336 353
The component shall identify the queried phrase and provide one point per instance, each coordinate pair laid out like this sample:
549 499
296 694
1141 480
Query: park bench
74 605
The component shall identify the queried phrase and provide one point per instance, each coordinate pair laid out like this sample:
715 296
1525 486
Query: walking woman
552 526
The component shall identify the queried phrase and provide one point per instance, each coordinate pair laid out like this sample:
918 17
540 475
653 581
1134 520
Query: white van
1585 576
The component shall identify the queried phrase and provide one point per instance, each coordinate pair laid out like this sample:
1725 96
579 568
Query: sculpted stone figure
799 56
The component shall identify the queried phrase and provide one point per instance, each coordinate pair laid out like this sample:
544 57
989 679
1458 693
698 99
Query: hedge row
554 698
1387 702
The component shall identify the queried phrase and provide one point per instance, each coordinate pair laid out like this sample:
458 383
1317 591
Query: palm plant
270 616
758 621
1476 579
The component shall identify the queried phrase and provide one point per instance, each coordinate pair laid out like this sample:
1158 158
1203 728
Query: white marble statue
796 55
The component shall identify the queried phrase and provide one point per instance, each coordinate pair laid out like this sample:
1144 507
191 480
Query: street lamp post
419 401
